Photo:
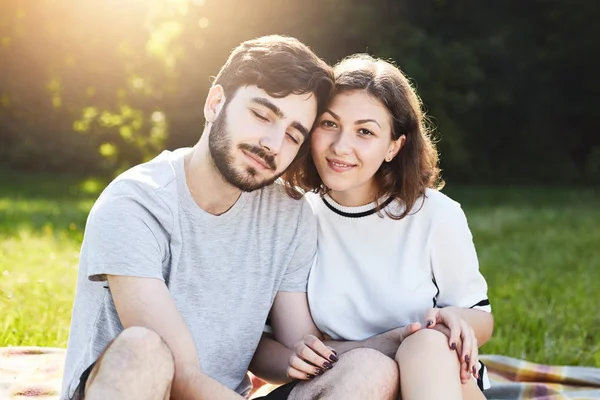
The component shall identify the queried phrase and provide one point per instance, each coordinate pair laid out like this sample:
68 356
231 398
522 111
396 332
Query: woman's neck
352 198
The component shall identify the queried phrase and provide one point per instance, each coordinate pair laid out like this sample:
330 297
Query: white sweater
374 273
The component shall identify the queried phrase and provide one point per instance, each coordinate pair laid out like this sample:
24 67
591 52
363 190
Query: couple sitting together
303 239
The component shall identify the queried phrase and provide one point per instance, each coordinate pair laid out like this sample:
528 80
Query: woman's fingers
431 317
300 369
467 351
474 355
455 336
326 353
308 355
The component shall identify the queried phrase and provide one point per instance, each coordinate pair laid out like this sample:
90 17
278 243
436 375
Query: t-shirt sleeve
296 276
454 262
123 237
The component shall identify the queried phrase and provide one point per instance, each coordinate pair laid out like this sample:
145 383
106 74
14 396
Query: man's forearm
387 343
193 384
271 360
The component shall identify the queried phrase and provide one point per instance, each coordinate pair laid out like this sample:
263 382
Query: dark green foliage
96 86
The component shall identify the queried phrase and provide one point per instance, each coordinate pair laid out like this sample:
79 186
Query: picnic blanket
35 373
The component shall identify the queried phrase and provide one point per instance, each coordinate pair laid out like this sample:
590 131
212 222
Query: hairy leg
136 365
361 374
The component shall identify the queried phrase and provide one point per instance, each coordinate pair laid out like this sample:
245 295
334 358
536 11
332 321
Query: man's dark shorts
281 393
80 391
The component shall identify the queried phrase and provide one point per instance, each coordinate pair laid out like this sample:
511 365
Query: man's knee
136 349
359 374
137 363
370 362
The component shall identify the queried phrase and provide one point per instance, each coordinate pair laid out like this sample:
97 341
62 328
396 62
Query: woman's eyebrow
363 121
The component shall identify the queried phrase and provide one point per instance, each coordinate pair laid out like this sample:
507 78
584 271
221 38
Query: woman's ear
395 148
214 102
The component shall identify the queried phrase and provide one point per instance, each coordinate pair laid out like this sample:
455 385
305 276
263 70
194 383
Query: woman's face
350 142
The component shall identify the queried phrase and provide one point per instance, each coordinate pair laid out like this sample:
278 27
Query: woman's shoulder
442 209
434 205
437 200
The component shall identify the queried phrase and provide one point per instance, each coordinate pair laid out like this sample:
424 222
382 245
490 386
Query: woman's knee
426 342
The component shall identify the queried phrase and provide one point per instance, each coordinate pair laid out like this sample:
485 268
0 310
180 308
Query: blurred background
89 88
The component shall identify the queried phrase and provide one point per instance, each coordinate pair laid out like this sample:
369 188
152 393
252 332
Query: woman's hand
311 358
461 338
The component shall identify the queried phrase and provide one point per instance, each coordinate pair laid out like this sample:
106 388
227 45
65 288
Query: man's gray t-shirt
223 272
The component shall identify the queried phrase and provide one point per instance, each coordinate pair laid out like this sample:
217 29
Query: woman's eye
261 117
328 124
365 132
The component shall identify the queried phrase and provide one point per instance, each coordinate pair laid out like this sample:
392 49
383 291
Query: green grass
41 228
538 248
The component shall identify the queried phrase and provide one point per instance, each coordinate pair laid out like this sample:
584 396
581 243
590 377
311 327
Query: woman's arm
482 322
271 360
275 363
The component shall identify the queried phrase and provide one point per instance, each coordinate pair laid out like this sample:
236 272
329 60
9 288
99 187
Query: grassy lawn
538 248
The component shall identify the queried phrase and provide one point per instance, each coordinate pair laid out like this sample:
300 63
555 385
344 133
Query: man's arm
147 302
291 321
387 342
295 335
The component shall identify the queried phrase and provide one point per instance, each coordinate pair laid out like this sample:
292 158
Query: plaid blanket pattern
35 373
514 379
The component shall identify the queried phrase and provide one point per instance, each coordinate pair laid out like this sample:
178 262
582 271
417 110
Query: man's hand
386 343
461 338
311 358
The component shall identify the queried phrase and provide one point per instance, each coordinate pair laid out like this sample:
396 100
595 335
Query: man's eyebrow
300 128
362 121
266 103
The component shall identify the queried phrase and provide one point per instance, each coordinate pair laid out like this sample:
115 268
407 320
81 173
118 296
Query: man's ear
214 103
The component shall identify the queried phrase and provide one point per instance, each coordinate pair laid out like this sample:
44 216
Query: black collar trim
357 215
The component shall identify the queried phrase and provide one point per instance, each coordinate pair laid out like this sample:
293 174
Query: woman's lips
339 166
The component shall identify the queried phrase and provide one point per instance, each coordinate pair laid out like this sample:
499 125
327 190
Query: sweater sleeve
454 262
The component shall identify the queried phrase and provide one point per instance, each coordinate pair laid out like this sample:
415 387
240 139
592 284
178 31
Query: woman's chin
337 187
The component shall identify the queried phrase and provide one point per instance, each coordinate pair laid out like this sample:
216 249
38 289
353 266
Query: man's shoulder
276 196
154 175
275 207
150 185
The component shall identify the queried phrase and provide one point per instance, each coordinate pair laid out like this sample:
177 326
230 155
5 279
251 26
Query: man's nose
272 141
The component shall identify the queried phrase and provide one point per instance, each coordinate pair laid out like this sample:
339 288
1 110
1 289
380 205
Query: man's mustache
269 159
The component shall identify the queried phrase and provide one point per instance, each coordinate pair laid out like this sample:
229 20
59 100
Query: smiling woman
393 252
352 142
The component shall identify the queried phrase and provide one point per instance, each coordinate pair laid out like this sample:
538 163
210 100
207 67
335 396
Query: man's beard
219 144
